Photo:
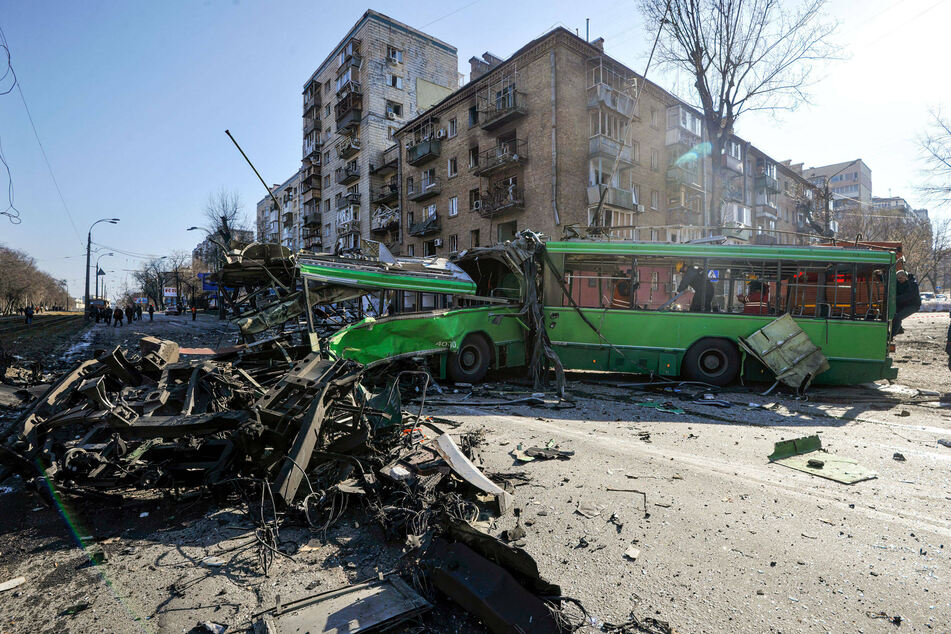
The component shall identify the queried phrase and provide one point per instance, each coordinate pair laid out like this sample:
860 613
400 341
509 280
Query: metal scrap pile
317 436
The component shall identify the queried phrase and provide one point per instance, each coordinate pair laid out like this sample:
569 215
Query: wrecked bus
625 307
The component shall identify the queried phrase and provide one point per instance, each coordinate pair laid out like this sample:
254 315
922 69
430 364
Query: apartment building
531 142
850 183
282 224
378 76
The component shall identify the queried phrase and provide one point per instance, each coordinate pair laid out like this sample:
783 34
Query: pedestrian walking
138 312
194 312
107 315
29 314
907 300
129 313
117 317
151 311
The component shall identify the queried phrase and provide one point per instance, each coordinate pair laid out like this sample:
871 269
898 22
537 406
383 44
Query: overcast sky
131 100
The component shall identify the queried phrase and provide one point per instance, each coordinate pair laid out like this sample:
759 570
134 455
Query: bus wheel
470 362
714 361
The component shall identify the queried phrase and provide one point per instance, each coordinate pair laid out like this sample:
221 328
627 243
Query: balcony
426 188
733 194
350 88
385 219
502 156
311 124
600 145
690 178
505 107
351 198
348 147
681 137
604 95
310 178
425 227
766 210
501 200
767 182
312 219
350 226
387 163
614 196
732 163
311 98
312 151
422 152
385 193
347 175
349 112
287 218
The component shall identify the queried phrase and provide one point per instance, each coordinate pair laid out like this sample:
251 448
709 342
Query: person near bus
117 317
907 300
138 312
756 300
622 295
151 311
194 312
703 290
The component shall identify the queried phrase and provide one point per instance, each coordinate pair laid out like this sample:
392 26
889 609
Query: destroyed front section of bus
488 316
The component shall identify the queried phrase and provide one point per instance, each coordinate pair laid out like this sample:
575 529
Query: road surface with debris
668 507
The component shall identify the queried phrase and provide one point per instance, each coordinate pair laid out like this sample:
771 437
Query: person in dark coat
138 312
703 291
907 300
28 312
151 311
117 317
107 315
129 314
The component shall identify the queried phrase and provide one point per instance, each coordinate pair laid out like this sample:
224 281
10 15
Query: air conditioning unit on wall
437 242
391 115
639 209
476 205
441 133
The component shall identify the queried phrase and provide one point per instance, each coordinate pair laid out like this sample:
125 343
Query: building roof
386 21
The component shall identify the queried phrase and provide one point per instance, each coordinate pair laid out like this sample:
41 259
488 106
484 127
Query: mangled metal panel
425 275
787 350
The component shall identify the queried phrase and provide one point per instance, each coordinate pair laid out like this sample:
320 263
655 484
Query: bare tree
150 280
741 55
936 148
224 213
23 284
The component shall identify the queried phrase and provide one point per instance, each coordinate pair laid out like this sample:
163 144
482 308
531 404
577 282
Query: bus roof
737 251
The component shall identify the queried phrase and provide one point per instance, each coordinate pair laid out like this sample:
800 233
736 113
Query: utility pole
827 221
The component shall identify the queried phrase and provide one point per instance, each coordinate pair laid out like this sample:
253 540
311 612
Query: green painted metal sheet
787 350
806 455
386 280
747 252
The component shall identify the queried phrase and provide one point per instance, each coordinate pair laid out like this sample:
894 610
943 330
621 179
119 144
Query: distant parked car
173 310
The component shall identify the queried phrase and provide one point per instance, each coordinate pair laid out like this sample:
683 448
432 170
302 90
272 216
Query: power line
453 12
19 87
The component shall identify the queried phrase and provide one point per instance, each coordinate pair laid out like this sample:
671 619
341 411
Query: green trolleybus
647 308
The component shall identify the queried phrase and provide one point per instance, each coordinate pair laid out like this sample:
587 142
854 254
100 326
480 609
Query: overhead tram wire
11 212
19 87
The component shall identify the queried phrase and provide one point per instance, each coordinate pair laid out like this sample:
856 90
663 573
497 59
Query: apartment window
453 243
394 81
451 167
655 199
409 218
409 186
475 197
454 206
452 127
430 211
327 181
327 107
354 189
474 238
507 231
411 250
429 177
394 108
429 247
327 228
391 133
734 150
338 198
327 157
327 133
653 117
637 193
655 159
394 55
636 152
473 116
474 156
327 205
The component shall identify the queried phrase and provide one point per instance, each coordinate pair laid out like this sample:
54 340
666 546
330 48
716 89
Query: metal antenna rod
269 192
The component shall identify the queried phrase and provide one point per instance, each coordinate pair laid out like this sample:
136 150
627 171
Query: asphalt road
727 541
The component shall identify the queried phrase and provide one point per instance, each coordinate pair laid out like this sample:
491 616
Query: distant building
850 183
282 224
203 255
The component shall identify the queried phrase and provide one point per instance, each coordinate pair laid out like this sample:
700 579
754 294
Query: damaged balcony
387 162
732 163
426 188
605 95
312 219
614 196
682 138
503 155
501 200
507 105
346 175
385 219
767 182
310 178
350 226
350 198
311 123
690 178
348 147
385 193
349 111
426 227
422 152
604 146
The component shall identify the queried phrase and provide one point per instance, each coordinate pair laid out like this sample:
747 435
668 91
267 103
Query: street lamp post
98 269
111 221
66 292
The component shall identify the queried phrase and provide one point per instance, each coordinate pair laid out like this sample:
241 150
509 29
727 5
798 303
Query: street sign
169 291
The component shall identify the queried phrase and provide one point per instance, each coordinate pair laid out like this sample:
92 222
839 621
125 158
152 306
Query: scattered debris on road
807 455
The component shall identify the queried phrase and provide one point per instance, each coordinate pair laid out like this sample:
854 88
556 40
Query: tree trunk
715 202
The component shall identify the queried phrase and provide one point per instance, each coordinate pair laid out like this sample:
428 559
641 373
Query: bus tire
470 362
711 360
